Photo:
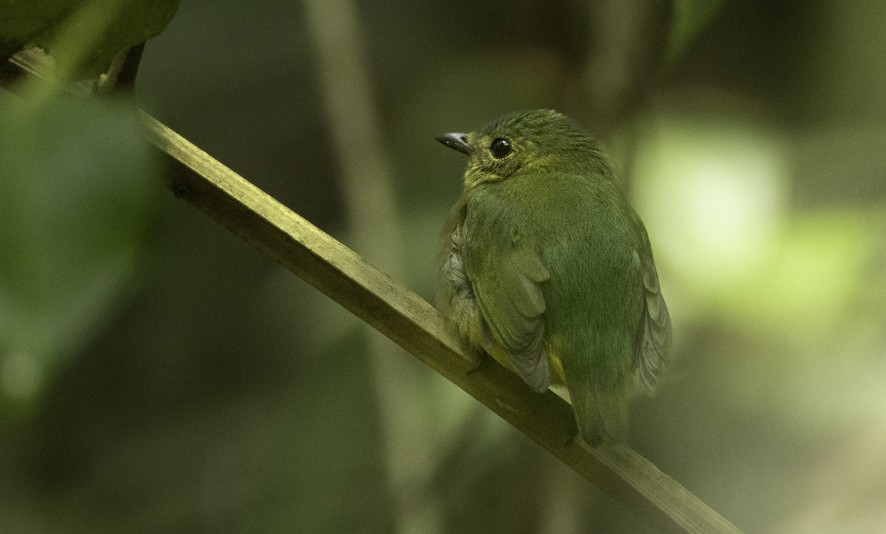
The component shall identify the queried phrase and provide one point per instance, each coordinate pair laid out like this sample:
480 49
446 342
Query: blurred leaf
82 35
24 20
690 18
712 188
76 192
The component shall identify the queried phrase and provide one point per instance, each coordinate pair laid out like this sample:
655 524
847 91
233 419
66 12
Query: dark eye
500 148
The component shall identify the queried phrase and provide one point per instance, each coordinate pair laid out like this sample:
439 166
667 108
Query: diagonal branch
415 325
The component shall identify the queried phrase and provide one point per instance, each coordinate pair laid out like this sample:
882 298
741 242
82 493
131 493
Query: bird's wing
512 305
655 340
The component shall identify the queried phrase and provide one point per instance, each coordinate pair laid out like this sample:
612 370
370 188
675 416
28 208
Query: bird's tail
599 413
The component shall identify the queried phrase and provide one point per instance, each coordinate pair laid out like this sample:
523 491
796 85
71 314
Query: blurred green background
157 373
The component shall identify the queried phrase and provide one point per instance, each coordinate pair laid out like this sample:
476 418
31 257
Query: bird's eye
500 148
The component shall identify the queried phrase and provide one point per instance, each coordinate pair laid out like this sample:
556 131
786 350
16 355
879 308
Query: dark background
214 391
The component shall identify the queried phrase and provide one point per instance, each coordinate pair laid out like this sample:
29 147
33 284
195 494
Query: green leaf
82 35
22 21
77 189
690 18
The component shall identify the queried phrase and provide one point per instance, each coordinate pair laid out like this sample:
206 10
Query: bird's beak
456 141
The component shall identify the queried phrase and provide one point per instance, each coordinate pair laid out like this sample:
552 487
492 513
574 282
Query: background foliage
157 373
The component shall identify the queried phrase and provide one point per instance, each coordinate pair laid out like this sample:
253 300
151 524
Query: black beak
456 141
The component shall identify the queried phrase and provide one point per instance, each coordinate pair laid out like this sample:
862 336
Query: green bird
547 268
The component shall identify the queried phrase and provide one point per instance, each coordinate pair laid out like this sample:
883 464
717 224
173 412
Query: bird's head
535 141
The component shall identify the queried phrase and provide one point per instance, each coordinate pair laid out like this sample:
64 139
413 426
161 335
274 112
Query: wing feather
655 342
512 305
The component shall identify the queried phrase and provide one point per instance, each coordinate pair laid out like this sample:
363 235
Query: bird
546 267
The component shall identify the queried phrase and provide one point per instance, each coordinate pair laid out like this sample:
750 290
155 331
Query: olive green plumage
547 268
